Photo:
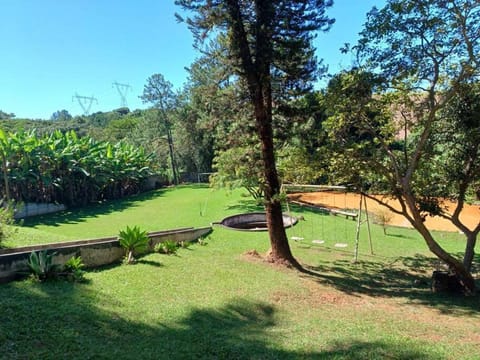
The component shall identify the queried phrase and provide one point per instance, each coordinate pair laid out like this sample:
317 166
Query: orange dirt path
470 214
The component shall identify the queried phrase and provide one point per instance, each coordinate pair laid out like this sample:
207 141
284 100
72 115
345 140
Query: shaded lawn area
216 302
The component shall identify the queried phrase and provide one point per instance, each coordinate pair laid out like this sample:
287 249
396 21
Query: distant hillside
113 125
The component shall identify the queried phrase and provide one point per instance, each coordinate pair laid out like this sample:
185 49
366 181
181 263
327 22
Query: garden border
94 252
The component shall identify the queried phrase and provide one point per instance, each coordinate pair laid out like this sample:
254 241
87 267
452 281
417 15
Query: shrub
73 269
202 241
383 217
133 240
167 247
185 244
41 265
7 210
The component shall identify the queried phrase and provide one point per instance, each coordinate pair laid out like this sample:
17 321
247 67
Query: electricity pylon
85 102
122 90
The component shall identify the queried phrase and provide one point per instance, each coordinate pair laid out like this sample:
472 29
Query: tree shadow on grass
407 277
62 320
245 206
149 262
77 215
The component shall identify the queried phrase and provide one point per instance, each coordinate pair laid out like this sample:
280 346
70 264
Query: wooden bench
344 213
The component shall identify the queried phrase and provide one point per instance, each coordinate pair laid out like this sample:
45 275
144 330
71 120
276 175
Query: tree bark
463 274
255 68
280 249
469 250
172 156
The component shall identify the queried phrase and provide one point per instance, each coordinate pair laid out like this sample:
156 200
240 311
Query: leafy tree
150 134
266 40
120 129
304 155
159 92
6 116
61 115
239 167
210 102
411 100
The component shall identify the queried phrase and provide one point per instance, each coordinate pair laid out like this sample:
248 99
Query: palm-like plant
133 240
69 169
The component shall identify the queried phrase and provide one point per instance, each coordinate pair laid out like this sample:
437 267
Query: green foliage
456 145
133 240
297 166
239 167
7 220
72 170
416 58
360 130
159 92
168 247
41 265
185 244
7 116
203 241
61 115
73 269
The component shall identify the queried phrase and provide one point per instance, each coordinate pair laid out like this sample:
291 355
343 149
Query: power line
85 102
122 90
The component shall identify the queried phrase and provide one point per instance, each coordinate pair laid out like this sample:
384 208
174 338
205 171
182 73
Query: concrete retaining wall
96 252
33 209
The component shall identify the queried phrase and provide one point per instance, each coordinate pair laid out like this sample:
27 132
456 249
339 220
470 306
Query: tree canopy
406 118
159 92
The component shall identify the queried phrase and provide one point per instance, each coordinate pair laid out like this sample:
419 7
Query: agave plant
133 240
42 266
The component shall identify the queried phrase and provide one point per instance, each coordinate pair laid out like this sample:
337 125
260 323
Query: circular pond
253 221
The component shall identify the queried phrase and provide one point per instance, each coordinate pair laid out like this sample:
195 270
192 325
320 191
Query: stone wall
94 253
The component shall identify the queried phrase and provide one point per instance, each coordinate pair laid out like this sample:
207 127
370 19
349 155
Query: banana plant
69 169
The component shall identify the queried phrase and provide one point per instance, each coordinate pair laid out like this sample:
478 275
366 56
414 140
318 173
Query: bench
344 213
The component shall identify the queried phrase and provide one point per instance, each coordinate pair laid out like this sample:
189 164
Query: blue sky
54 49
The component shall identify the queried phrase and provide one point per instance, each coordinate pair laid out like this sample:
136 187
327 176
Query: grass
215 302
163 209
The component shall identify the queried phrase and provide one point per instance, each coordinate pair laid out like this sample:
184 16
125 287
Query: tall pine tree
270 48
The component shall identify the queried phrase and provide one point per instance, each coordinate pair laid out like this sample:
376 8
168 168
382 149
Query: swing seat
296 238
318 242
341 245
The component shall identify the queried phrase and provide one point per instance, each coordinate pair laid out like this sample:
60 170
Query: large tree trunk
469 250
280 249
256 71
462 273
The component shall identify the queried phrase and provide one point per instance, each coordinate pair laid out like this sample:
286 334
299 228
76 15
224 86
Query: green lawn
215 302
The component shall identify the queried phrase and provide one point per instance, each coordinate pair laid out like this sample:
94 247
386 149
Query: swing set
334 210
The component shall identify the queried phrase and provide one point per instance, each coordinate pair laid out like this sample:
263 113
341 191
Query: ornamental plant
134 241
